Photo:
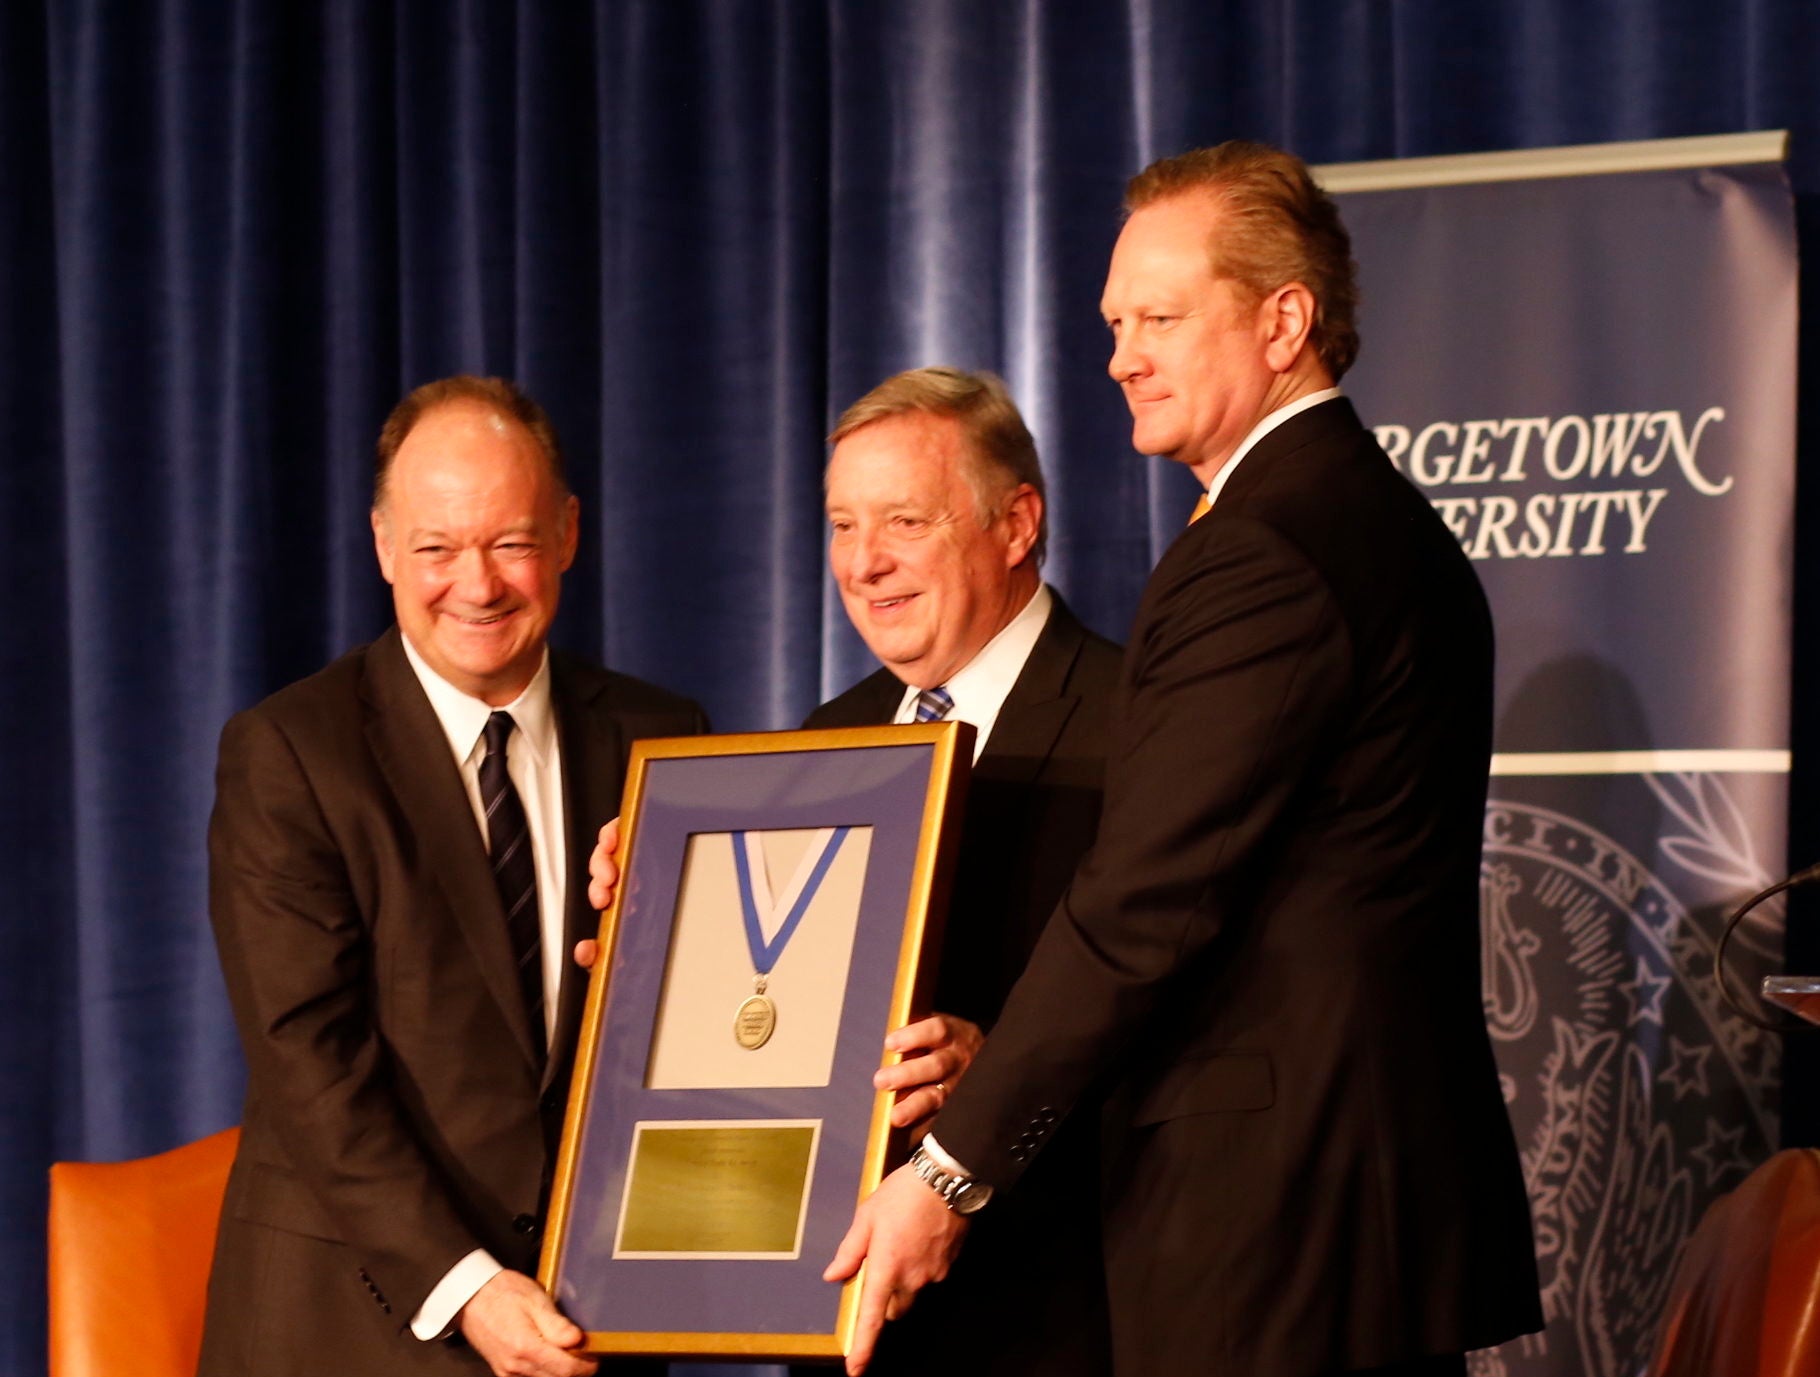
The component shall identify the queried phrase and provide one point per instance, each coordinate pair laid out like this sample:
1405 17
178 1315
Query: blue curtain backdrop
231 234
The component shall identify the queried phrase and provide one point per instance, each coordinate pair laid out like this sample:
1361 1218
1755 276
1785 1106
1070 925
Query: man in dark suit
1273 946
935 506
937 529
396 875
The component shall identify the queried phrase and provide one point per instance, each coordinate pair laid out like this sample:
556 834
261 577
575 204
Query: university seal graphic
1637 1096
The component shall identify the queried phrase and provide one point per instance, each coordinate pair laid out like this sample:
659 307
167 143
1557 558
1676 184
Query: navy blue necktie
509 844
933 704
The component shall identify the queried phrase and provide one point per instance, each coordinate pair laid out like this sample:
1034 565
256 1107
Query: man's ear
382 544
1289 314
1023 518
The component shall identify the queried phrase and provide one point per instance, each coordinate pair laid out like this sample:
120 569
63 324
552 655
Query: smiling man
1272 951
936 536
396 872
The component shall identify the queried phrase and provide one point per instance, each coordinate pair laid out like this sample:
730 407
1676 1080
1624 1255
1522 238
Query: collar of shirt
537 774
981 686
464 718
1260 430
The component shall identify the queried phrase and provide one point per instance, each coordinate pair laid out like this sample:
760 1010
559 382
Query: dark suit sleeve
1238 670
296 953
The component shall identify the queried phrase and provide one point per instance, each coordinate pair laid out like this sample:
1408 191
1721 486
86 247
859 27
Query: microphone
1797 880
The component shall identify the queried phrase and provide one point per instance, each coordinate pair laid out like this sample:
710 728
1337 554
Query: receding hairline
985 474
914 415
504 422
996 455
500 397
1215 216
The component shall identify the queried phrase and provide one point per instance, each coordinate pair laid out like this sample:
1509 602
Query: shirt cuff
436 1316
942 1159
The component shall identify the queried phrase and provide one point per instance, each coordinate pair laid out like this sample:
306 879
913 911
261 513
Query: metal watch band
962 1194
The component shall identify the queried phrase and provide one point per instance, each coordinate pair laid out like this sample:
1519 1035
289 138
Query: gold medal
754 1023
757 1016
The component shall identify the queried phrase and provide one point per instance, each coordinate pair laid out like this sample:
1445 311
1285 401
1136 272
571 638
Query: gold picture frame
722 1123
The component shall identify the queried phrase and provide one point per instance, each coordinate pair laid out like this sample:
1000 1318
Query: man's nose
1126 361
476 578
870 555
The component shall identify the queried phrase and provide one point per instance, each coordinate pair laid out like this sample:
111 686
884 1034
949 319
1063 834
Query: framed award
778 913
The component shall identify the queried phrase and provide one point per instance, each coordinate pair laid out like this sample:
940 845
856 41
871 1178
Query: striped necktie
509 845
932 705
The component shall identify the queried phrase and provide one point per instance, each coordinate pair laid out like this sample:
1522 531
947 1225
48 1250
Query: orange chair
129 1259
1745 1300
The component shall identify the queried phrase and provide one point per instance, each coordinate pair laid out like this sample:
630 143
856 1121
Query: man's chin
899 658
889 637
491 676
1153 440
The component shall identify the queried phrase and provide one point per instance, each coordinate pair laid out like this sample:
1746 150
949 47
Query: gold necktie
1200 509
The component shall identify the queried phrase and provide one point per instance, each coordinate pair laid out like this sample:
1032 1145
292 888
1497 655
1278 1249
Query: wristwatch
961 1193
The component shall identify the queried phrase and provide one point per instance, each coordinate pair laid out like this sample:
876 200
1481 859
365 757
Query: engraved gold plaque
754 1023
717 1190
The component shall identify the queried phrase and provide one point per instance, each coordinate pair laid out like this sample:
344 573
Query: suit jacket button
1019 1153
525 1224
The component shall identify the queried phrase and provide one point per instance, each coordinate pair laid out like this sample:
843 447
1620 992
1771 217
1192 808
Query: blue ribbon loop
765 954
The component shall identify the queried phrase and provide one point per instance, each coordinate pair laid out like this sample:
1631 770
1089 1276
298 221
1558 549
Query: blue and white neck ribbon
749 865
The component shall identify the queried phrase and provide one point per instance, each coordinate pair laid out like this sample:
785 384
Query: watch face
966 1198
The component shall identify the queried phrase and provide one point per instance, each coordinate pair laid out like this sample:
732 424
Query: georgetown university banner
1587 361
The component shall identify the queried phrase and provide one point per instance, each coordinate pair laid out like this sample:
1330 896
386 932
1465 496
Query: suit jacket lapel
875 699
413 752
1036 709
592 749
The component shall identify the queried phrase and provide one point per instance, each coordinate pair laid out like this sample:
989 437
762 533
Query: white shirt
980 686
534 764
1260 430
